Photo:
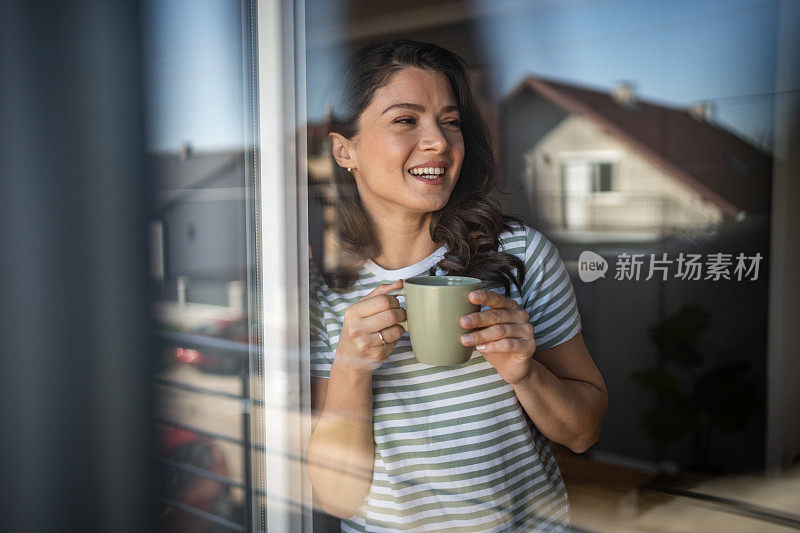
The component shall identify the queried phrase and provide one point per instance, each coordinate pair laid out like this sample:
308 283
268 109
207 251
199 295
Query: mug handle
400 292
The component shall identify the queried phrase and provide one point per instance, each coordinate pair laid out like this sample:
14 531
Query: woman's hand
360 346
503 335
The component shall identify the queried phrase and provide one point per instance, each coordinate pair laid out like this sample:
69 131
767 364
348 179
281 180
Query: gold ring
382 339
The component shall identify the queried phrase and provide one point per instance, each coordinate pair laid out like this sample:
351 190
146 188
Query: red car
186 448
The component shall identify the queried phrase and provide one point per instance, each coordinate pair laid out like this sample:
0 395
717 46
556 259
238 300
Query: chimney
702 111
624 95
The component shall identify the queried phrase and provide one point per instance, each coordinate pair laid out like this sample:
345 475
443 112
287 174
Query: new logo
591 266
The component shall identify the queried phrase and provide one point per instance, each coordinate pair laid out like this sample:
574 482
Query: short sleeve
321 353
548 295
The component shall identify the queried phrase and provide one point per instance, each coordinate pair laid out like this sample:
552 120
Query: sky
675 52
193 73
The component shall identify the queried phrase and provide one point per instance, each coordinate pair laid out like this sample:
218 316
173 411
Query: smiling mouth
430 173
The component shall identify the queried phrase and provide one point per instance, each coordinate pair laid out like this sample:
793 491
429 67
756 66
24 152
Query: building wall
525 119
578 136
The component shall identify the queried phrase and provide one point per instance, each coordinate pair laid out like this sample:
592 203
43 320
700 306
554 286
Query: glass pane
669 109
198 63
604 171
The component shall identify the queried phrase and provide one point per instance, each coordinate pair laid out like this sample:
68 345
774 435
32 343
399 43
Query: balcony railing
652 213
226 349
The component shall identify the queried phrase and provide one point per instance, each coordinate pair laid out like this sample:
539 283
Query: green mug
434 306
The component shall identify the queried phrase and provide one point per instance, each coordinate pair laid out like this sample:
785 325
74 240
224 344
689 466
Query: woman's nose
433 138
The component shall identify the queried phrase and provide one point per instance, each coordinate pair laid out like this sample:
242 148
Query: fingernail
474 294
466 338
467 320
481 347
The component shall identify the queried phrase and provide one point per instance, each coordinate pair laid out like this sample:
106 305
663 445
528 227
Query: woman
400 445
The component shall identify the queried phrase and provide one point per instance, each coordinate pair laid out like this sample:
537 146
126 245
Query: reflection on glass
201 260
639 137
601 162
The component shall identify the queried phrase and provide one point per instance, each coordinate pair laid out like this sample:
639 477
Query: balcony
655 215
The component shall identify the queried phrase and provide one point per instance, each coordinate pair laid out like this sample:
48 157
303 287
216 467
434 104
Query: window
582 176
201 101
602 176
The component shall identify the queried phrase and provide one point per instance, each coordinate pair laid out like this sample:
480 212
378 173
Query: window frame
594 158
281 206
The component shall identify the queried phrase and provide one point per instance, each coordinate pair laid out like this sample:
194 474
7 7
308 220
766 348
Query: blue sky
675 51
193 73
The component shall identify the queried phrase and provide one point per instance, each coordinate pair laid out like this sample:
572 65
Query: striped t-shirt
454 449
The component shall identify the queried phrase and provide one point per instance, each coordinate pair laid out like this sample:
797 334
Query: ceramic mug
434 306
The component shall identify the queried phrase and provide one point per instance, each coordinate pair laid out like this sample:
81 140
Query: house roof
722 167
221 168
178 178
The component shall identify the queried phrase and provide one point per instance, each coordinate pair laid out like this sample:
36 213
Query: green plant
690 399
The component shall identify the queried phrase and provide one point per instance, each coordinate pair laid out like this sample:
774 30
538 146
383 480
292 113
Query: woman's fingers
392 334
375 302
503 328
490 317
498 332
383 319
491 299
515 346
359 342
383 289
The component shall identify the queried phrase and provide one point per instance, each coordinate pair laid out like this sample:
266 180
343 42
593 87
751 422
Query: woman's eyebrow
418 108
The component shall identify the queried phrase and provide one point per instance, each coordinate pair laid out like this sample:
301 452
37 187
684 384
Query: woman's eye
456 123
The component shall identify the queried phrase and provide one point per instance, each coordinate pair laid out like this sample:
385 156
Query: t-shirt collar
410 271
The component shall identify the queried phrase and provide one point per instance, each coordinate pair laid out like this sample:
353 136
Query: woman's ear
342 150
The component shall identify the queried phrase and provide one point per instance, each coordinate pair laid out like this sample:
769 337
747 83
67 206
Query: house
198 238
596 165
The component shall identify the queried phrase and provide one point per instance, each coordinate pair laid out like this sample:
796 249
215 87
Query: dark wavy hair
471 222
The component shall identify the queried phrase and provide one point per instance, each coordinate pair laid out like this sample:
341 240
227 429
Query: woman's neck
404 241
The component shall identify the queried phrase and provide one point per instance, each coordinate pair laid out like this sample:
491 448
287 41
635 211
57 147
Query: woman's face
409 149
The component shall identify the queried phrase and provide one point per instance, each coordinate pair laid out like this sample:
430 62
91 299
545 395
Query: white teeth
427 171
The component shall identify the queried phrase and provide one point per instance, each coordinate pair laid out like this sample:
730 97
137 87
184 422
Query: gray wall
206 239
525 118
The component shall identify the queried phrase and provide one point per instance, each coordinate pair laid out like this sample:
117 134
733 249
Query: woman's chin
433 200
428 203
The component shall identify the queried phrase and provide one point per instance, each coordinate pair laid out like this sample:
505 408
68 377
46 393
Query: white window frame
614 157
282 272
